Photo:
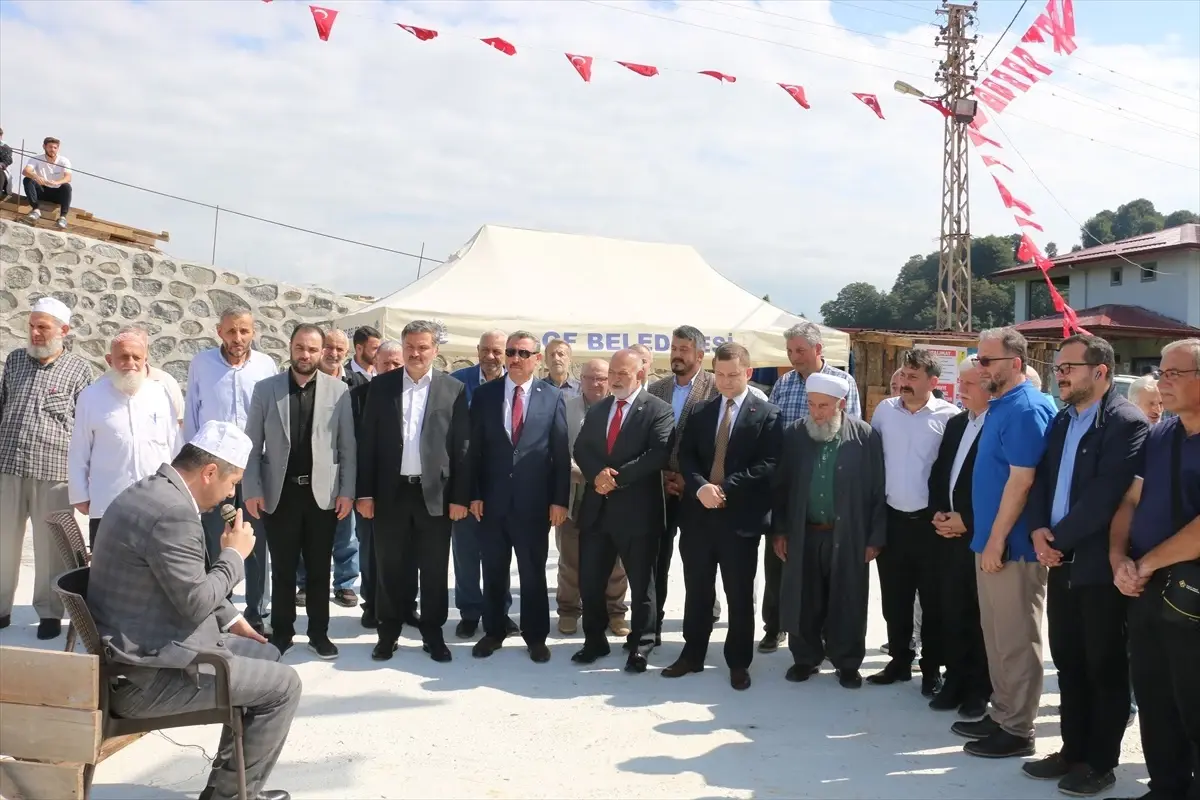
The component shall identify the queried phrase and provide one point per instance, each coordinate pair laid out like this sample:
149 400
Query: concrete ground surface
505 727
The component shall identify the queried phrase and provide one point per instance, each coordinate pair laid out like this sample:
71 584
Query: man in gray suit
158 600
301 474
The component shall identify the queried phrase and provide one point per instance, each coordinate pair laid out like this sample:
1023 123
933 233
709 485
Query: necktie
518 414
614 427
717 475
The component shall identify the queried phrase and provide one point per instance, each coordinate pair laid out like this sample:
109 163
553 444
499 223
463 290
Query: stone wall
178 303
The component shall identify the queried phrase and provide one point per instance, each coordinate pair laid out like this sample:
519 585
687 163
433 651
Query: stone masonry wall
177 302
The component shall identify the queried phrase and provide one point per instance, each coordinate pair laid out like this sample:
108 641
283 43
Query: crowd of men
984 517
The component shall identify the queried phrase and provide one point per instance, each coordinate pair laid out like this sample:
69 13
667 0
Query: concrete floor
508 728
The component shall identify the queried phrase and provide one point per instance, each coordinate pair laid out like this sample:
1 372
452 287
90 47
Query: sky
411 146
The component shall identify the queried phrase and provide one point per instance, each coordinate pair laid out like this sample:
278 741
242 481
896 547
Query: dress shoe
437 651
635 663
369 620
980 729
973 708
568 626
894 672
384 650
681 667
486 646
948 699
1086 782
323 647
301 598
465 629
618 626
1051 768
770 643
49 629
739 679
260 627
5 621
346 598
511 628
1001 744
850 679
265 794
590 652
931 685
539 653
799 673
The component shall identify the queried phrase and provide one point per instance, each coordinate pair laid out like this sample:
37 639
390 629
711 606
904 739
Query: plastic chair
73 549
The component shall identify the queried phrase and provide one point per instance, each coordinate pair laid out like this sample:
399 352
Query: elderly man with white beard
125 429
830 522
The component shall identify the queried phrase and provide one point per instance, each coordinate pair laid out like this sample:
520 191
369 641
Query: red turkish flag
871 102
721 76
641 69
1068 17
978 139
324 18
1027 251
936 104
504 47
1032 35
582 65
1028 223
1010 201
797 93
424 34
992 161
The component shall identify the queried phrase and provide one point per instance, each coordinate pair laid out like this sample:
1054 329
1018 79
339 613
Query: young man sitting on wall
48 177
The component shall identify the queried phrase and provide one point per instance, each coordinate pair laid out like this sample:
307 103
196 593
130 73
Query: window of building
1115 279
1149 272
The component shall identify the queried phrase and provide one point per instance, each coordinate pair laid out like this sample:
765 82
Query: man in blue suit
521 485
468 594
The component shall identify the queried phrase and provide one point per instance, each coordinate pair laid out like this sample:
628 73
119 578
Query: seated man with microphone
158 600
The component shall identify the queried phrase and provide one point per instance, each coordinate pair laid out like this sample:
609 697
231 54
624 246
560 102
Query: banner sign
949 359
611 342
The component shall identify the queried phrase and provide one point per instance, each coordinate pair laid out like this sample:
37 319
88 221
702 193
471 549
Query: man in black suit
727 458
621 449
967 686
413 480
361 368
520 486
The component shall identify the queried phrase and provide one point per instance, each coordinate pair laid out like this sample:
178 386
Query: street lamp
906 88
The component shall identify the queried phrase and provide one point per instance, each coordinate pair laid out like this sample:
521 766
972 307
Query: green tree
1135 218
858 305
1180 217
1051 250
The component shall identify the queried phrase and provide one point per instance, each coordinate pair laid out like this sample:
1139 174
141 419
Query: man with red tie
624 444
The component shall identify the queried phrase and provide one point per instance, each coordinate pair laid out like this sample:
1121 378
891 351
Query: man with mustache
558 368
125 429
829 521
38 392
1144 394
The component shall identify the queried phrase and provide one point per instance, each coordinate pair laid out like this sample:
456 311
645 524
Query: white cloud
379 137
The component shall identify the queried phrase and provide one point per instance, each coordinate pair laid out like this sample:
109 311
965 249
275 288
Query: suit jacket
352 377
524 479
576 409
703 388
358 401
155 598
939 475
750 462
639 455
470 379
269 426
445 473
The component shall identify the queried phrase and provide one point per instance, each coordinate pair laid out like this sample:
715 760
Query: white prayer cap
54 307
224 440
824 383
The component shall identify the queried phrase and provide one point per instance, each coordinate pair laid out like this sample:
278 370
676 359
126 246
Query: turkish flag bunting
640 69
992 161
1027 251
1010 201
324 18
582 65
871 102
936 104
979 139
721 76
1068 17
797 93
501 45
1028 223
1032 35
424 34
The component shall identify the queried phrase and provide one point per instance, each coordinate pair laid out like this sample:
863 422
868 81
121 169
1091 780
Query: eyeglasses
1172 374
985 361
523 354
1067 366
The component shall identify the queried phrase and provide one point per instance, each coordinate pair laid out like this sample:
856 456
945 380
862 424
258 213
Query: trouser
266 691
908 569
406 533
4 182
705 549
364 529
566 539
23 500
599 549
345 555
1011 602
1088 645
468 570
93 529
772 576
35 193
662 562
257 566
828 626
1163 659
529 540
299 526
961 634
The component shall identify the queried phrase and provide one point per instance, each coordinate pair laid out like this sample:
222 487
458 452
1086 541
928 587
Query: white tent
600 295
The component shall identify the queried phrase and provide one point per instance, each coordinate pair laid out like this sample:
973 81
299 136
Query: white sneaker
61 223
34 215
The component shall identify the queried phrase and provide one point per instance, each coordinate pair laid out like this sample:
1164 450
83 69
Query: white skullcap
224 440
54 307
824 383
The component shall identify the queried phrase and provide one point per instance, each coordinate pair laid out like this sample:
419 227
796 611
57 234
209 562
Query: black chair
72 587
74 551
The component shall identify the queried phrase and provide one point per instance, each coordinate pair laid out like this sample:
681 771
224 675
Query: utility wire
1163 126
806 22
1098 141
1192 98
887 13
1006 30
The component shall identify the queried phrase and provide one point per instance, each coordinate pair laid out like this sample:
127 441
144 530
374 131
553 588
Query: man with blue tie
521 484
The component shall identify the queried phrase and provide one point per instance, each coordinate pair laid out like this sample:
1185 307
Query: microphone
229 514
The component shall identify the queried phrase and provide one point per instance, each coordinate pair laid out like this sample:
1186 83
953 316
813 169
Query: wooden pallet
85 224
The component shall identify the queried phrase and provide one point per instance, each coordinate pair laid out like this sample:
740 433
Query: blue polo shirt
1014 435
1152 522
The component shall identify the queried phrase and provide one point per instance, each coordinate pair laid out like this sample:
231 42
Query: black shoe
1085 782
635 663
770 643
894 672
323 647
850 679
511 628
265 794
1051 768
1001 744
437 651
931 685
590 652
739 679
301 598
369 620
282 645
486 646
259 627
980 729
5 621
973 708
948 699
799 673
681 667
384 650
49 629
539 653
466 628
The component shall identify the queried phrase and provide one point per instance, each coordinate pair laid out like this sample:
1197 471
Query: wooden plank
116 744
49 678
50 734
26 780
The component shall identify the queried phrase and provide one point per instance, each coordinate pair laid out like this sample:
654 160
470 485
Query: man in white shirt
125 429
157 375
911 427
48 177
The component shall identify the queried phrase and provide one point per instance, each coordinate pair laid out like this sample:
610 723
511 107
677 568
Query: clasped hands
606 481
949 524
1130 576
711 496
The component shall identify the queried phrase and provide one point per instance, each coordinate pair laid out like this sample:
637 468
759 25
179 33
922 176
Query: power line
1135 80
1006 30
1099 141
886 13
1165 126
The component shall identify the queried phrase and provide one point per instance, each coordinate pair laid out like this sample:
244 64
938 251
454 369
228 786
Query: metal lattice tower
957 75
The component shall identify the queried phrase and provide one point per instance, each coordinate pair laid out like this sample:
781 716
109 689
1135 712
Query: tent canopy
600 295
